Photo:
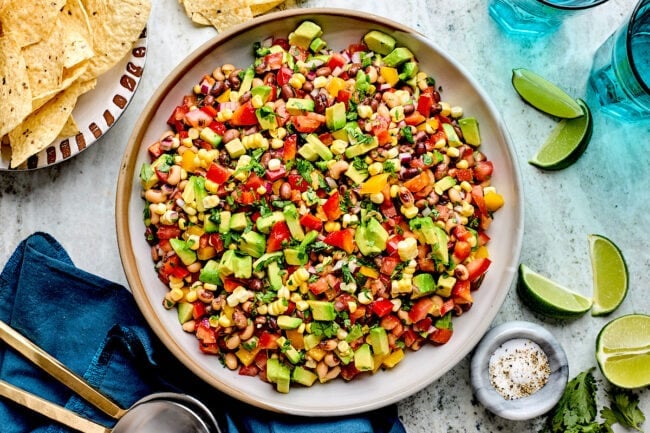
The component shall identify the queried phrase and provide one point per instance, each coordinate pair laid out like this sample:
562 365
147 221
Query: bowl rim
125 184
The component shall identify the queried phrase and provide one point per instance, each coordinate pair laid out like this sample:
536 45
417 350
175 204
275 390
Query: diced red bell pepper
342 239
420 309
441 336
217 127
483 238
244 115
462 250
463 174
249 370
230 284
425 102
284 75
477 267
198 311
411 337
268 340
478 199
212 348
172 266
323 284
290 147
388 265
311 222
245 197
332 207
414 119
418 182
358 314
357 48
209 110
297 182
273 61
344 96
306 123
155 150
381 307
204 331
382 135
168 232
279 234
336 60
218 173
483 170
423 325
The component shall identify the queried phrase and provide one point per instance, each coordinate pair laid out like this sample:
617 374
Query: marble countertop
605 192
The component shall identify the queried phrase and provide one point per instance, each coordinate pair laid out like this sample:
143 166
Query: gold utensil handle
59 371
49 409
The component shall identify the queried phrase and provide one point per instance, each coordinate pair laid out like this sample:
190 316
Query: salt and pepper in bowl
519 370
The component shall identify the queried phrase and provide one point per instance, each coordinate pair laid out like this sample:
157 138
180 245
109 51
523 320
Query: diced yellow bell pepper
334 85
378 360
317 353
247 357
369 272
393 359
389 74
374 184
190 161
224 97
206 253
493 201
481 252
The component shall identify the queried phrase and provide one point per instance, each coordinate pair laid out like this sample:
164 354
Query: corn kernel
263 309
375 168
274 164
191 296
364 111
352 306
176 294
377 198
158 208
462 164
407 249
332 226
211 201
394 190
257 101
261 190
409 211
319 82
466 186
224 115
211 186
300 275
445 109
224 321
456 111
277 143
302 305
453 152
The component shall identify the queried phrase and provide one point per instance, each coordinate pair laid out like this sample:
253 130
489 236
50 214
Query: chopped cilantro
347 274
325 329
624 409
577 406
360 165
305 168
389 166
407 134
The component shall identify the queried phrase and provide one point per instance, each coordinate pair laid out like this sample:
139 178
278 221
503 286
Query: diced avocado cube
363 360
398 56
371 237
311 340
247 81
208 135
210 273
262 91
306 32
292 218
148 176
265 260
266 118
308 152
288 322
321 149
227 263
238 221
444 184
361 148
317 45
289 351
409 70
298 106
433 235
379 42
423 285
303 376
185 311
452 137
355 175
235 148
295 256
252 243
209 224
275 276
354 333
279 374
266 222
183 251
445 285
469 128
379 341
335 116
243 267
322 310
224 221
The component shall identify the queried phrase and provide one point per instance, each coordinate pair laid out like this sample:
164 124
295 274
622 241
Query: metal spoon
159 413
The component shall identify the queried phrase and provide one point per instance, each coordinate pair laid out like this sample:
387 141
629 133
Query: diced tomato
462 250
483 170
306 123
357 48
176 118
198 118
155 150
273 61
410 337
483 238
268 340
311 222
441 336
290 147
218 173
168 232
323 284
203 330
425 102
284 75
383 136
297 182
461 292
244 115
447 306
418 182
198 310
477 267
420 309
414 119
391 243
279 234
388 265
462 174
478 199
349 371
344 96
332 207
358 314
342 239
212 348
336 61
230 284
423 325
461 233
381 307
217 127
250 370
254 181
245 197
172 266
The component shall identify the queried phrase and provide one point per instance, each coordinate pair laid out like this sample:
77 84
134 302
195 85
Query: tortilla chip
116 25
200 19
30 21
44 61
259 7
220 14
70 128
78 34
41 127
15 92
69 76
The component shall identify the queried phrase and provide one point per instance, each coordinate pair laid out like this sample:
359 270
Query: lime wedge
548 298
544 95
610 275
566 143
623 351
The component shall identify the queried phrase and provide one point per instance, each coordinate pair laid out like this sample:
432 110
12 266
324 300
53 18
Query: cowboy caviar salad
320 213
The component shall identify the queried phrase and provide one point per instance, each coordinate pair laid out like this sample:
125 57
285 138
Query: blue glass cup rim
571 8
628 45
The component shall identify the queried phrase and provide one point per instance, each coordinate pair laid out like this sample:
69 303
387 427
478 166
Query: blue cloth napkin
94 327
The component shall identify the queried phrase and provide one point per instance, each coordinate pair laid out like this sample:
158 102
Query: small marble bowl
530 406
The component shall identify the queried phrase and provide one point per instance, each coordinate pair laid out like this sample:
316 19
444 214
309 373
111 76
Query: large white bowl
418 369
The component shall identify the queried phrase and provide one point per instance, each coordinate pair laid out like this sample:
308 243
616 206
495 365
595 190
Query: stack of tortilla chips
223 14
51 52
